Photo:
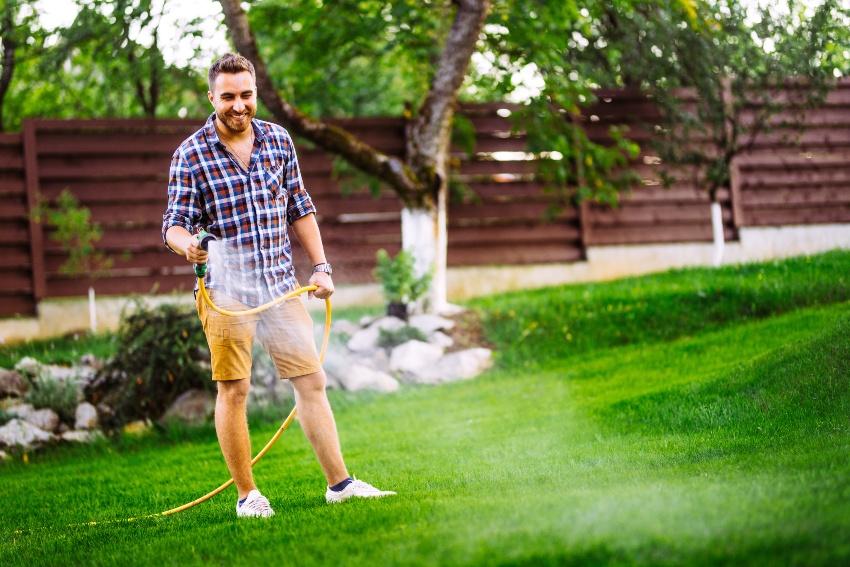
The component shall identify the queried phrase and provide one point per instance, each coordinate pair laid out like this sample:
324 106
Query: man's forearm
307 230
178 239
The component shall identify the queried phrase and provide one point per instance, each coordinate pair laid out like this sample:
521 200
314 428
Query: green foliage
351 57
107 63
397 277
683 452
389 338
64 351
76 233
61 396
4 417
566 320
160 354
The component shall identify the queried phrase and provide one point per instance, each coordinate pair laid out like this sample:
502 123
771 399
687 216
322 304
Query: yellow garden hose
202 291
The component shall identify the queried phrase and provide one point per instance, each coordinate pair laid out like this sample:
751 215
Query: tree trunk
421 179
424 235
717 232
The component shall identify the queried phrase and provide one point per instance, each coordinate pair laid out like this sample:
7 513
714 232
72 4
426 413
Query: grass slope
723 445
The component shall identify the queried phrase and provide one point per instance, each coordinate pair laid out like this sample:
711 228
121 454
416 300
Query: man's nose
238 106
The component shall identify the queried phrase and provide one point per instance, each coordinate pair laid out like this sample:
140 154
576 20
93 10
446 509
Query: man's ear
210 97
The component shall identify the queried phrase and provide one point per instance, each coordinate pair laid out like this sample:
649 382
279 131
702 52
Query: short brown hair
230 63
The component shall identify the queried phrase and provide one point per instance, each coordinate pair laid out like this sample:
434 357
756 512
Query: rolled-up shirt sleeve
299 204
184 206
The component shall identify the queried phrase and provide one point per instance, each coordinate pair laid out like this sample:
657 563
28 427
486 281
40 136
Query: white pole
92 311
717 230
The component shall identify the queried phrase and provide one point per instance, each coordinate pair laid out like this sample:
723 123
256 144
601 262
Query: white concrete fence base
60 316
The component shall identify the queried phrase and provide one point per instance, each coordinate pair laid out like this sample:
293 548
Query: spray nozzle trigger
204 239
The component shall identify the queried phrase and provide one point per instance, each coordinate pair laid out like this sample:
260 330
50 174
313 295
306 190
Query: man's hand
325 284
194 253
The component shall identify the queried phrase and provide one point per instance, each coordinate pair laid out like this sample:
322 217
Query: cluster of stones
360 363
355 361
32 427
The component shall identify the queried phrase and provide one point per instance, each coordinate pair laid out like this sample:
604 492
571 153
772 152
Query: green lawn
694 431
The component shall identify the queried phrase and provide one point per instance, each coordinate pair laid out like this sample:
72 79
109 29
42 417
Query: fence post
39 279
734 173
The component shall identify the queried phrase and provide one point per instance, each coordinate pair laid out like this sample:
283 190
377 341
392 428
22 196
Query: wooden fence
119 169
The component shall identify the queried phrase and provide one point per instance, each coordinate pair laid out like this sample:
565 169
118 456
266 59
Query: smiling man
238 178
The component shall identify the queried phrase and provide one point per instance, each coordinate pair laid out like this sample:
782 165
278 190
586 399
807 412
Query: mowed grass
725 442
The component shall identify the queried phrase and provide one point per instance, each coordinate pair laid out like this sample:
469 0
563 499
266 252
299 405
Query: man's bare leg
317 421
231 426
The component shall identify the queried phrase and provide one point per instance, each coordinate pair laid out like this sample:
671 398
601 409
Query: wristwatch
323 267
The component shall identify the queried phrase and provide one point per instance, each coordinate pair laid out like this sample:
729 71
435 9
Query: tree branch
390 169
429 134
9 47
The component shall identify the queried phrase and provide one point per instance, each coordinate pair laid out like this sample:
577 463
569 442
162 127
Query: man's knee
310 384
234 391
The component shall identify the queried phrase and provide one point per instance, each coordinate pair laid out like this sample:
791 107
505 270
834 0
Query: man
238 178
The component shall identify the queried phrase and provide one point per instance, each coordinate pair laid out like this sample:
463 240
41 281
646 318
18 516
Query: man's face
234 97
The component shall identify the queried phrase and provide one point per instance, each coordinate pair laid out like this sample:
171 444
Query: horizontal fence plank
484 255
17 304
119 169
782 216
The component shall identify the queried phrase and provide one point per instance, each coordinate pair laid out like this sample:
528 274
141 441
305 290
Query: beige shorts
285 331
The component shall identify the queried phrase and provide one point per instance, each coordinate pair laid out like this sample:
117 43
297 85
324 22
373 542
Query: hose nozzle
204 239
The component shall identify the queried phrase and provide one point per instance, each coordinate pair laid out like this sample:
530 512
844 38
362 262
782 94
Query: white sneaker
255 506
356 489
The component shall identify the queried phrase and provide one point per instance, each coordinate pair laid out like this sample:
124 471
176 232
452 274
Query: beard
232 122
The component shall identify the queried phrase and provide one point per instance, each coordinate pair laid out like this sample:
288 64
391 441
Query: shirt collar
212 133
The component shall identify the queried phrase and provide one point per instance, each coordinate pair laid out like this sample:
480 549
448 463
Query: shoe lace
259 504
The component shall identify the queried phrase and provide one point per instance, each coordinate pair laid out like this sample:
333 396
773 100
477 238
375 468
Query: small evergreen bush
388 338
398 281
59 395
161 353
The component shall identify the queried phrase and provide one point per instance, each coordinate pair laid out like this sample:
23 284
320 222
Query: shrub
161 353
59 395
389 339
398 281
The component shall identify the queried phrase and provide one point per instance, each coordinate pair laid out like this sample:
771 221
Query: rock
364 340
89 359
19 433
20 410
45 419
414 355
137 427
430 323
451 310
74 374
366 320
81 436
344 327
4 456
460 365
192 406
85 417
361 377
12 384
28 365
378 360
62 428
441 339
388 324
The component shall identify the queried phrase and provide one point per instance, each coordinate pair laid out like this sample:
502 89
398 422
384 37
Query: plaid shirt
247 211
